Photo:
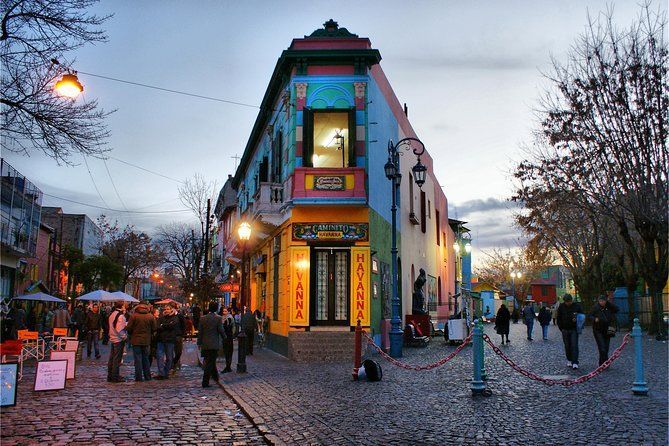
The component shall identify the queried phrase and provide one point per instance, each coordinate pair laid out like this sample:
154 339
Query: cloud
463 210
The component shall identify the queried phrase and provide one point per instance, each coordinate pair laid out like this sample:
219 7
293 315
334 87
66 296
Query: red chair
10 351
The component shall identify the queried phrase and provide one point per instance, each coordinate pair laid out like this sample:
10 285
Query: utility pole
206 238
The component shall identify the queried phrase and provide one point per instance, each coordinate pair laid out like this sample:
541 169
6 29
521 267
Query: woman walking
502 323
603 315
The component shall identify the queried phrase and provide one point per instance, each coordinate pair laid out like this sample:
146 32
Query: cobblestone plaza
282 402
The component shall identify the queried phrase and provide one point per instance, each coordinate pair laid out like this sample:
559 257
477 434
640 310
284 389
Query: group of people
153 333
570 319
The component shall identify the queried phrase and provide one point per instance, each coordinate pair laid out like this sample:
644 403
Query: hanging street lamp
392 171
69 86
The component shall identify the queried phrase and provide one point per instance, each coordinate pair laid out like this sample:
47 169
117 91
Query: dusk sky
470 73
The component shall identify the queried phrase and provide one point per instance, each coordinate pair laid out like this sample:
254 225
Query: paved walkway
281 402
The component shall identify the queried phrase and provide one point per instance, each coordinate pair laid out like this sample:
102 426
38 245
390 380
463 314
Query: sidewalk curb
256 420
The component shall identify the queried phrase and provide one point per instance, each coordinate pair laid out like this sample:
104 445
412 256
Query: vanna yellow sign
299 286
360 286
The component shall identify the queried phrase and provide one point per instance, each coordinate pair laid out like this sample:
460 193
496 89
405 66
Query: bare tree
182 250
36 36
194 194
133 250
604 136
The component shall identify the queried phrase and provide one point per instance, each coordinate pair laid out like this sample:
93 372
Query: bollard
481 353
477 385
241 352
639 386
357 350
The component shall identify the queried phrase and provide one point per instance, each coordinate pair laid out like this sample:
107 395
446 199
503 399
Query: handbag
612 329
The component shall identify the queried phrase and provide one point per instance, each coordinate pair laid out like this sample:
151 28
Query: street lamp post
244 232
392 170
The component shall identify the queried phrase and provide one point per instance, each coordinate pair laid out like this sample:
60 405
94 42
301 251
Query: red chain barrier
561 382
417 368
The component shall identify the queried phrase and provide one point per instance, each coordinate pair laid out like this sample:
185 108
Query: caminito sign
331 231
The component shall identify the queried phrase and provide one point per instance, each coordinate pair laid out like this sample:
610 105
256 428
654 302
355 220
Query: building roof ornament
331 29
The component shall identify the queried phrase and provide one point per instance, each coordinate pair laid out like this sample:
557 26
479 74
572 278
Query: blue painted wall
381 127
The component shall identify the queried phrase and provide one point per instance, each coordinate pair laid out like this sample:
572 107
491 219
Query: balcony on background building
344 185
269 203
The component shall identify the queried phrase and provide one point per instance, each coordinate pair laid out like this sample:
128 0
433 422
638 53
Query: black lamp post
392 170
244 232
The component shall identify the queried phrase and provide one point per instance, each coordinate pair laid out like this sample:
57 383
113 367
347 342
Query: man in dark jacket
603 315
167 336
210 332
141 327
228 346
79 322
545 321
94 322
248 322
566 321
179 343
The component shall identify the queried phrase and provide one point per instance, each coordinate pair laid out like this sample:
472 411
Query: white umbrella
42 297
97 295
120 295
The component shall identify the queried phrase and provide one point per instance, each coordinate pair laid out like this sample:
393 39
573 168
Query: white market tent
98 295
41 297
120 295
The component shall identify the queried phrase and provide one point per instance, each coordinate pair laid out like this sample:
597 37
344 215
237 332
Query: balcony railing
269 202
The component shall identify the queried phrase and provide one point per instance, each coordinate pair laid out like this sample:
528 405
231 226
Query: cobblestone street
91 411
282 402
319 404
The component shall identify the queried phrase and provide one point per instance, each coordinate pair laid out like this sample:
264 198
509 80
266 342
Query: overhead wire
144 169
114 185
169 90
172 211
93 180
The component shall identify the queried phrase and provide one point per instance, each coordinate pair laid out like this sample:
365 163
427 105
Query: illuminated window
329 138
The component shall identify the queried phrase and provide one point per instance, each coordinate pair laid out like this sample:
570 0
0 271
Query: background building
19 227
76 230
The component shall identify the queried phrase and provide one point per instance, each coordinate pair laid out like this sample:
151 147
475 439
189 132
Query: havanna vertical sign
299 286
360 294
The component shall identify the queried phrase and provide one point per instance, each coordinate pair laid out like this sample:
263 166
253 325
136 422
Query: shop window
329 137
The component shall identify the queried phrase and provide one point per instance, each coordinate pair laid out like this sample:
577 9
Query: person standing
167 336
502 320
554 313
61 318
249 327
92 326
603 316
196 311
141 327
79 322
528 318
566 321
228 345
104 311
544 320
179 340
117 337
209 334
